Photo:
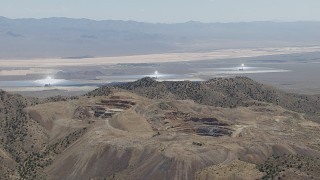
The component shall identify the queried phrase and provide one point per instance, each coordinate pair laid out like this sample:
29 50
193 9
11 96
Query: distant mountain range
70 38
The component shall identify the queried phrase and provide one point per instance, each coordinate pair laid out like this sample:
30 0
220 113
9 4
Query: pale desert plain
284 68
159 58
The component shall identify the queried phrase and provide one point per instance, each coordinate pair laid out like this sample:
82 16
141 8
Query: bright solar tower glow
156 74
48 81
242 65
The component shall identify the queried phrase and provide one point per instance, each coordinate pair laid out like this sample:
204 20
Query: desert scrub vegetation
276 167
32 167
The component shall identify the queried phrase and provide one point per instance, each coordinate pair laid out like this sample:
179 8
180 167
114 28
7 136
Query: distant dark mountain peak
237 78
147 80
3 18
144 82
194 22
12 34
221 92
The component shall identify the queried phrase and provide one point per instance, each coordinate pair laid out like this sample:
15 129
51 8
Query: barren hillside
220 129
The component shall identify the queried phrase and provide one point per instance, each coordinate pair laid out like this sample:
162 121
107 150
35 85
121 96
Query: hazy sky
168 11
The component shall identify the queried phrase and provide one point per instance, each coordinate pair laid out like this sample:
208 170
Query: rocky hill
224 128
222 92
23 140
17 133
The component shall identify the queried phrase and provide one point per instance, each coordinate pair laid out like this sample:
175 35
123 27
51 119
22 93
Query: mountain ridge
222 92
67 37
186 22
